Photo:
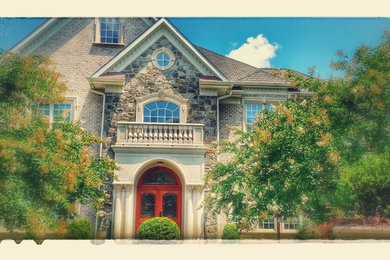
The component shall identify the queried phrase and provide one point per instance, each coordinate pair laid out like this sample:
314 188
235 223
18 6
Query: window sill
108 44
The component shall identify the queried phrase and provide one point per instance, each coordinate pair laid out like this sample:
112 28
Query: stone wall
143 78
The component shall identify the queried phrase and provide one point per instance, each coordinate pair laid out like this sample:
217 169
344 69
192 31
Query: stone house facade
161 102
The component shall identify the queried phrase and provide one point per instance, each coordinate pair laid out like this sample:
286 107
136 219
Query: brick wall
230 116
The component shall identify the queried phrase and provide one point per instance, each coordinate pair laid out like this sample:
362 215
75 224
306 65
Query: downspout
102 125
101 145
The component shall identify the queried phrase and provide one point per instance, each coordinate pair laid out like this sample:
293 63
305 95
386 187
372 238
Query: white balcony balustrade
159 134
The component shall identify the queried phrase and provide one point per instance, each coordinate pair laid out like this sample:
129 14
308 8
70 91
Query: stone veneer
143 78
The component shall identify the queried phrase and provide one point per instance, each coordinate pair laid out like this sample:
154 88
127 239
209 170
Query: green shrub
159 228
230 231
79 229
305 231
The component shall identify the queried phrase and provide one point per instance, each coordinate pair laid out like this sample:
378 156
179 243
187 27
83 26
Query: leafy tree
283 166
44 169
358 105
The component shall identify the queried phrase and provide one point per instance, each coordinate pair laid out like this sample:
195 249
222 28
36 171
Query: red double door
159 193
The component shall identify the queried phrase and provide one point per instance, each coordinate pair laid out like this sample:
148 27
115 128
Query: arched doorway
159 194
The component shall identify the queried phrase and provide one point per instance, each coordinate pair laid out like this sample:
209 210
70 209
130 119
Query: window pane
147 205
44 110
161 112
159 177
61 110
169 205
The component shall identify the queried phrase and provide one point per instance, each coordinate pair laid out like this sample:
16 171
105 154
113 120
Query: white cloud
256 51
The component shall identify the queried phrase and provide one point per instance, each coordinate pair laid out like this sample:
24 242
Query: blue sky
295 43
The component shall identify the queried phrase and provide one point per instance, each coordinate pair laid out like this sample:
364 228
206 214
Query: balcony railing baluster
159 133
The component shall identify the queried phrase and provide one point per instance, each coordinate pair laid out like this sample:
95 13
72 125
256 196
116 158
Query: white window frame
260 225
274 222
162 96
246 102
68 100
97 32
293 221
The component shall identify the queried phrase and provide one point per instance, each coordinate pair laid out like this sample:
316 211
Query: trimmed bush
79 229
159 228
230 231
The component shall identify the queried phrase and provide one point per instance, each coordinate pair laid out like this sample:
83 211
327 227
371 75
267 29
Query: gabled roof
48 29
161 28
238 71
43 32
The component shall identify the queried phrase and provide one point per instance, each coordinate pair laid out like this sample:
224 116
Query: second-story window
109 30
161 112
252 110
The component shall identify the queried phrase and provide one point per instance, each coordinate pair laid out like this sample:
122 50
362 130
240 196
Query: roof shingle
238 71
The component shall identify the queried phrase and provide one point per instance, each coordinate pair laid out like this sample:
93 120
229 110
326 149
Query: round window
163 58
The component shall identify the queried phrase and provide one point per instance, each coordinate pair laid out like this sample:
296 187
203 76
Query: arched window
161 112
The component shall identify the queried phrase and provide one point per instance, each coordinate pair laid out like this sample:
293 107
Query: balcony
159 135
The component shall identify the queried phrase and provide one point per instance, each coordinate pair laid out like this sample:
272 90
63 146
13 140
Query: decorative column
117 211
128 211
194 211
123 198
198 194
190 213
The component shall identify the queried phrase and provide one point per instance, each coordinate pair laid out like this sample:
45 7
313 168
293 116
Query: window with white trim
291 224
54 111
252 110
161 112
268 223
109 30
163 58
162 107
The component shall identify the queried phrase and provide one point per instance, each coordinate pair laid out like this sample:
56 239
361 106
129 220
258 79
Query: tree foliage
358 105
283 166
44 169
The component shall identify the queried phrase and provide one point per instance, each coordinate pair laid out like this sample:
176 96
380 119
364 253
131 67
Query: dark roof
235 70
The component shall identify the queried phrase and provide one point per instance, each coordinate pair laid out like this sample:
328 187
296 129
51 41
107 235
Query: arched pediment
162 96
